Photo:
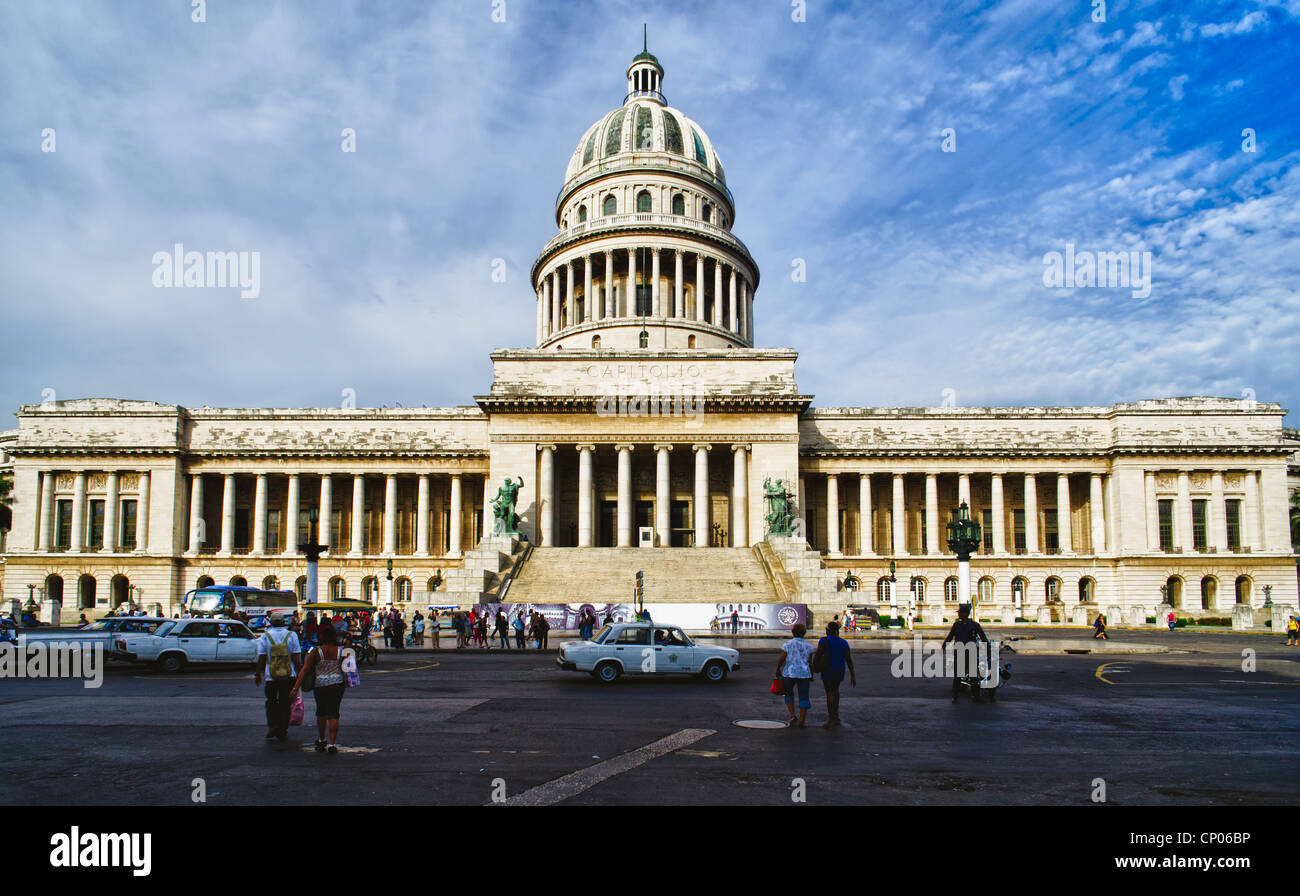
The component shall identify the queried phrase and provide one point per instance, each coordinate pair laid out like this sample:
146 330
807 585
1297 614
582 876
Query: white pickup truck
178 643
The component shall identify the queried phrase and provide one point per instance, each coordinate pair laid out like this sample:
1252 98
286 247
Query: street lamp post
388 585
964 537
313 552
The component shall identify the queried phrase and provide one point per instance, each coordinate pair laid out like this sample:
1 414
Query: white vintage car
178 643
641 648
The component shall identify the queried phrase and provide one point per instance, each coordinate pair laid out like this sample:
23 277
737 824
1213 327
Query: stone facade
645 408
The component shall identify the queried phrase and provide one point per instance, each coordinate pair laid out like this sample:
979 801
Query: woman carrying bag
328 672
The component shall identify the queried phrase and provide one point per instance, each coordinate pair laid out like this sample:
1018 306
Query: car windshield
599 637
100 626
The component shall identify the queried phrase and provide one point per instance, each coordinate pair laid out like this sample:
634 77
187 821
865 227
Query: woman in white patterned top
794 668
327 660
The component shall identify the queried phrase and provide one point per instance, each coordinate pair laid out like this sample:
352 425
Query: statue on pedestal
782 513
505 520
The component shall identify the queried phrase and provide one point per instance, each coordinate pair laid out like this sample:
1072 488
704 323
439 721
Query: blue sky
924 268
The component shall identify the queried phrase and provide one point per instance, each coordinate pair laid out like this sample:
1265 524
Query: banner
693 617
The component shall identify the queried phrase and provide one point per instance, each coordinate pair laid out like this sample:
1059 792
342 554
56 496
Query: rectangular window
1051 536
1233 509
336 530
1018 530
1198 525
273 531
63 525
95 539
986 523
925 541
126 536
1165 514
643 305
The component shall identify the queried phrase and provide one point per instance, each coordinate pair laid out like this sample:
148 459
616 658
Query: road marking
584 779
246 677
310 748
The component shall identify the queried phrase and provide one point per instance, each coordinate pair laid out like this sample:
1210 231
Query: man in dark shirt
966 631
833 661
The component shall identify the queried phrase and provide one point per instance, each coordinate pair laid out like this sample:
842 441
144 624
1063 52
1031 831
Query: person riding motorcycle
965 631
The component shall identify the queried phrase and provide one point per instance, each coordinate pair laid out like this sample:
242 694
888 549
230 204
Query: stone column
663 532
1250 509
749 313
259 515
1031 514
586 501
631 282
142 515
390 514
656 305
743 323
898 524
587 302
358 524
45 531
999 515
963 492
679 301
422 515
541 312
1218 516
453 538
717 292
931 513
1153 512
570 316
196 512
325 512
832 514
624 495
554 290
111 501
1097 514
734 323
865 533
1183 513
292 501
78 540
227 515
1064 532
740 496
607 284
701 495
546 495
699 287
486 516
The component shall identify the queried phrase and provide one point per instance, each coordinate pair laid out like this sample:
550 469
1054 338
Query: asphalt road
458 727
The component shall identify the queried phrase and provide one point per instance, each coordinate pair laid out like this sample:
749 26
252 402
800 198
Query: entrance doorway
682 534
608 523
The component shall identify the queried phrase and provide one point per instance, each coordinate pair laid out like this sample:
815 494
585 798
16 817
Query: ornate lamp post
388 585
964 537
312 552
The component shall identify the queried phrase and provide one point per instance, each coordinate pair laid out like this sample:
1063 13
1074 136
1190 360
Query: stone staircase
482 571
672 575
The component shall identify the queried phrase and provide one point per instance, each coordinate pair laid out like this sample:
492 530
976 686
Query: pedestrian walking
503 629
325 667
831 660
795 672
417 629
1293 632
1171 620
279 657
399 631
521 634
543 631
386 626
735 621
1099 628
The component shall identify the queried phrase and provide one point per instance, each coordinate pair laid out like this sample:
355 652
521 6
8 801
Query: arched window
985 590
582 214
204 582
884 590
300 589
338 588
1086 588
1209 590
610 206
238 582
690 342
370 589
707 212
918 589
1174 591
271 583
1019 588
595 342
950 593
643 201
403 591
1244 587
86 592
679 204
1053 589
433 583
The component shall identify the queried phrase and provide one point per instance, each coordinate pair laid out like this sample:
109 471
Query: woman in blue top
836 651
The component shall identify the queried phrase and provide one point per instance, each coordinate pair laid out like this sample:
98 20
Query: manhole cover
1078 650
758 723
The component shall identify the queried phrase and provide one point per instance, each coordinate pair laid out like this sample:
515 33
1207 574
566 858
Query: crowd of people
482 627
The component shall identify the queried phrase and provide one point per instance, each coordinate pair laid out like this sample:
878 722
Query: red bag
296 711
777 687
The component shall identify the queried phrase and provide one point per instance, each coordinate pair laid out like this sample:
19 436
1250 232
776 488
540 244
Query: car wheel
171 663
715 670
608 672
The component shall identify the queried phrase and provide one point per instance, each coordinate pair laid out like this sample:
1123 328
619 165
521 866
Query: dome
640 127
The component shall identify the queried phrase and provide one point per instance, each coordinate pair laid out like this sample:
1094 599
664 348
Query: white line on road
584 779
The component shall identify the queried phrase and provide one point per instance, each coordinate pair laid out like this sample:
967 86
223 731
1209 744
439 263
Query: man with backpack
966 631
279 657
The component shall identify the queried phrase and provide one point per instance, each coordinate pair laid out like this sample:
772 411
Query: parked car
639 648
103 631
179 643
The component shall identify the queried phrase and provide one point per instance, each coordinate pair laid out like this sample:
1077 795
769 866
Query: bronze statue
506 521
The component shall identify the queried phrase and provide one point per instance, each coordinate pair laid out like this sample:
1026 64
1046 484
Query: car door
235 643
632 649
671 652
199 641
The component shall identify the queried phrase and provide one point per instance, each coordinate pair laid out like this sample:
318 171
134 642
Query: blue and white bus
228 601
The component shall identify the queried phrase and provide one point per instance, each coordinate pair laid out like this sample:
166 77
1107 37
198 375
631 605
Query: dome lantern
645 75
